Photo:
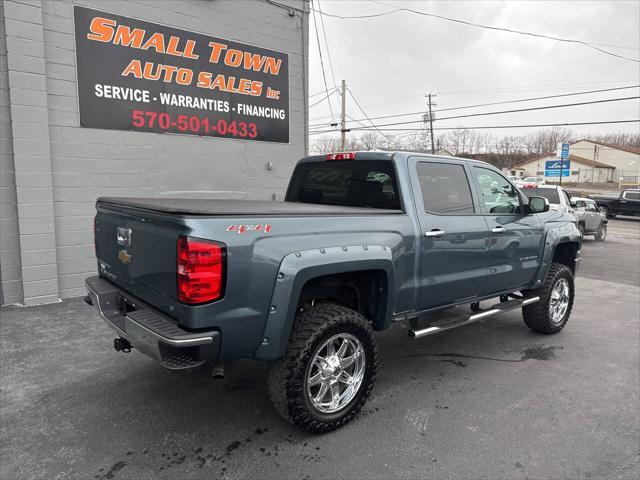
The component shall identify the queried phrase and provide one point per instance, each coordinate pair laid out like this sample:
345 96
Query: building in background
137 98
576 169
589 162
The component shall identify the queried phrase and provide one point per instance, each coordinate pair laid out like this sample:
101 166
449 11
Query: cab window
591 206
497 194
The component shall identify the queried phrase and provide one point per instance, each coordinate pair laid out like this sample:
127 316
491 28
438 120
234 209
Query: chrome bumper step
455 317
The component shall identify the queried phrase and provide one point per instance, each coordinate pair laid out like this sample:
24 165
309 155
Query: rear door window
445 188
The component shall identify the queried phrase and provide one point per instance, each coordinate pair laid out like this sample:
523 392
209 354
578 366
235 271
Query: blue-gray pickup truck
362 240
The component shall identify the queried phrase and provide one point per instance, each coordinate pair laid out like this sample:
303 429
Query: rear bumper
150 331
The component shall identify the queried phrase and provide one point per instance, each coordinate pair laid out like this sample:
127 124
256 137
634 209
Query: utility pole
343 117
433 146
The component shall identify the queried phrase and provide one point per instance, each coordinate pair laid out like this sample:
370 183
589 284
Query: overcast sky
390 62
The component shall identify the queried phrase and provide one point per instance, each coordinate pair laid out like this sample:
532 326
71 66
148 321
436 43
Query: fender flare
553 238
297 268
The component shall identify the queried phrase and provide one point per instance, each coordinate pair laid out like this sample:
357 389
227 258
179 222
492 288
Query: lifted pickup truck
361 241
626 203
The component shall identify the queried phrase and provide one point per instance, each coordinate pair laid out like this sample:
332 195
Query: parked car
361 241
558 197
514 178
591 221
626 203
527 182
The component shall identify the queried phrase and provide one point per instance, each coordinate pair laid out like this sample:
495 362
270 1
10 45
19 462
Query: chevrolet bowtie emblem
124 257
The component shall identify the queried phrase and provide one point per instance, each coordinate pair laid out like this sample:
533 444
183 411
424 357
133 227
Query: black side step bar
465 320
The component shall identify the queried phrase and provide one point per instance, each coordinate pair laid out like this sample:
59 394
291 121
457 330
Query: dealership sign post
136 75
563 154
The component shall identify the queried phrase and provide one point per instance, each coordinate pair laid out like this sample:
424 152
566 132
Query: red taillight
200 270
341 156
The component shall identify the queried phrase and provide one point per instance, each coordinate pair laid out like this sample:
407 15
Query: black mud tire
606 209
536 315
601 234
286 377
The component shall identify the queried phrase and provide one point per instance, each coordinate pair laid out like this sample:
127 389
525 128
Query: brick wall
10 271
62 168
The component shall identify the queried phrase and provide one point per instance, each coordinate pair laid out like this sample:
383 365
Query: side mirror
538 205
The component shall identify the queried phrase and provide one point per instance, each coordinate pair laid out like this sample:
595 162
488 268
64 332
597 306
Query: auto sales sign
136 75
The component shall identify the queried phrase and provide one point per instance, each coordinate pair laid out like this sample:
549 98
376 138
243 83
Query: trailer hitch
121 345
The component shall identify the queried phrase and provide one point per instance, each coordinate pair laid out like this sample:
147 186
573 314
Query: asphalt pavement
490 400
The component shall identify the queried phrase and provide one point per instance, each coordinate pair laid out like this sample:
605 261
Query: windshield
550 194
352 183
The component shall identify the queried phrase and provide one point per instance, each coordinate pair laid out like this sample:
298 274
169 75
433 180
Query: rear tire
607 211
309 367
550 314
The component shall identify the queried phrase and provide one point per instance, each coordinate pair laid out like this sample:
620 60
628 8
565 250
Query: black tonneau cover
213 207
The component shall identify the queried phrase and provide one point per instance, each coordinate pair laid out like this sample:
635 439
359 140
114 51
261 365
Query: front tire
601 234
328 371
550 314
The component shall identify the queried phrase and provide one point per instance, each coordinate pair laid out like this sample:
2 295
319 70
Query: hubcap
559 302
336 373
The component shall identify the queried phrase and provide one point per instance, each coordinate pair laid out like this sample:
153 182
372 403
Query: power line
324 98
322 92
547 87
364 113
324 76
538 125
500 103
500 112
479 25
326 43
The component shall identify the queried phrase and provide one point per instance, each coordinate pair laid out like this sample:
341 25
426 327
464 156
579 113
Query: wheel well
363 291
566 253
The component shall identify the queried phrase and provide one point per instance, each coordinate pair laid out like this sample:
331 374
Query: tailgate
136 249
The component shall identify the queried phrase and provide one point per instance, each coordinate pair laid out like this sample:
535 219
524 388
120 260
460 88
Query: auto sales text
107 30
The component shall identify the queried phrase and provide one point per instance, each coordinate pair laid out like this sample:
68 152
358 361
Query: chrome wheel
336 373
559 302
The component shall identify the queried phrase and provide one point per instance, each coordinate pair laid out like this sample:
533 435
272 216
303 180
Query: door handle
497 230
434 233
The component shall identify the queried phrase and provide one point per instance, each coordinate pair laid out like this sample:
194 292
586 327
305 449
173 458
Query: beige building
580 169
623 158
590 162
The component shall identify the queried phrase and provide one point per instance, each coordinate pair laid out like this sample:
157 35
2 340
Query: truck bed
215 207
